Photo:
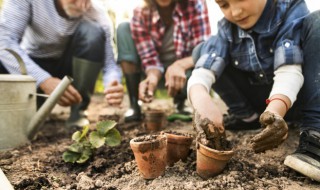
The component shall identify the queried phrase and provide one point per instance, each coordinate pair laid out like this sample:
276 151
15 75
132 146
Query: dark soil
39 165
178 133
146 138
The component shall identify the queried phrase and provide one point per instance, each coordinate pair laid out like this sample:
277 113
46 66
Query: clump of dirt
210 135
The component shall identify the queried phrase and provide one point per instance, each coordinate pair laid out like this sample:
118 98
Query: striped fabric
34 28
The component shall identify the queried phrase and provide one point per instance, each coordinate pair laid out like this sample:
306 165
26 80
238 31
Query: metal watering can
19 118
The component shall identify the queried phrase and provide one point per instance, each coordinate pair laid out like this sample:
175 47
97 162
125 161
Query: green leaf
69 156
76 147
96 140
113 137
104 126
85 155
78 136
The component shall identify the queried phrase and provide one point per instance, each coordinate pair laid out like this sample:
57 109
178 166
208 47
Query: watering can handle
22 65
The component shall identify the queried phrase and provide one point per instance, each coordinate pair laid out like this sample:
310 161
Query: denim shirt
273 41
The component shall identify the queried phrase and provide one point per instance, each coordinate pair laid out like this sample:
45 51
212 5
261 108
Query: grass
161 93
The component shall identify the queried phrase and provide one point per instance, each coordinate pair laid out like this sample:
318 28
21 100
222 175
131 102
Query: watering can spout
38 119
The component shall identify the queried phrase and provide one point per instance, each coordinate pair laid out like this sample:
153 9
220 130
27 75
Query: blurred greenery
160 92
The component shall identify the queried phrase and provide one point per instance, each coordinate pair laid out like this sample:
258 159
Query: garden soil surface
39 165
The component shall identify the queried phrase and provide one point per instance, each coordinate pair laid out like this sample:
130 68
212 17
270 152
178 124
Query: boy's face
244 13
75 8
164 3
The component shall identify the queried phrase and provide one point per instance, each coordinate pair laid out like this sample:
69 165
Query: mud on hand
274 133
208 133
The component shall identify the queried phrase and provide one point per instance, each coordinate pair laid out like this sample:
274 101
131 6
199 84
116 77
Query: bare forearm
279 104
186 63
198 93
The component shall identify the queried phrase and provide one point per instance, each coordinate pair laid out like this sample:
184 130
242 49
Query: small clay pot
211 162
150 153
113 117
178 146
154 120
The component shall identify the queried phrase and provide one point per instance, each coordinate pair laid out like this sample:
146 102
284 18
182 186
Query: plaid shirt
191 26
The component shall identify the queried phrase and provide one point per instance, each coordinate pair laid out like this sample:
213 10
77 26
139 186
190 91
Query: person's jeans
87 42
127 50
310 92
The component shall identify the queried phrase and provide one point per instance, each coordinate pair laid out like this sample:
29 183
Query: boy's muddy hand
275 132
207 132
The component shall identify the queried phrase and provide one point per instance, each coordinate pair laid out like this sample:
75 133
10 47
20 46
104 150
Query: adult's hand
149 85
175 78
114 93
69 97
274 133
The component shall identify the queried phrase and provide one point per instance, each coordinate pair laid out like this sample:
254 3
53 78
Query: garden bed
39 165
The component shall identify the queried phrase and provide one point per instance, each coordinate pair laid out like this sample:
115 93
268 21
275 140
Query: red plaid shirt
191 26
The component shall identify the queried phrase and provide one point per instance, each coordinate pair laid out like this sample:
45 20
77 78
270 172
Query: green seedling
85 143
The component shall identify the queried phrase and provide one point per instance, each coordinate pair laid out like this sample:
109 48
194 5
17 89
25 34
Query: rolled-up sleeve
287 42
214 53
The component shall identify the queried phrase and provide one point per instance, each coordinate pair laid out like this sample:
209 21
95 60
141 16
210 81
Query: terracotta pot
178 147
154 120
211 162
150 155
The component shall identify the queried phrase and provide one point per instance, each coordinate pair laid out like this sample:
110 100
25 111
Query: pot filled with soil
178 146
211 162
113 117
150 153
213 149
154 120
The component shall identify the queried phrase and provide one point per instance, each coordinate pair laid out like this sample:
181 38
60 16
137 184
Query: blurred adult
61 37
158 42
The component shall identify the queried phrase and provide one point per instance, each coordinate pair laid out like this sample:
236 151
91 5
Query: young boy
266 51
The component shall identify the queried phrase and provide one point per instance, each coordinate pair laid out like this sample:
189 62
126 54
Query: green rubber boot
134 112
84 73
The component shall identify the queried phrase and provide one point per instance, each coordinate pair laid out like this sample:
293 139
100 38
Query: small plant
85 144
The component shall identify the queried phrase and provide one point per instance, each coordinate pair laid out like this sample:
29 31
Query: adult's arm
15 17
111 71
142 38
